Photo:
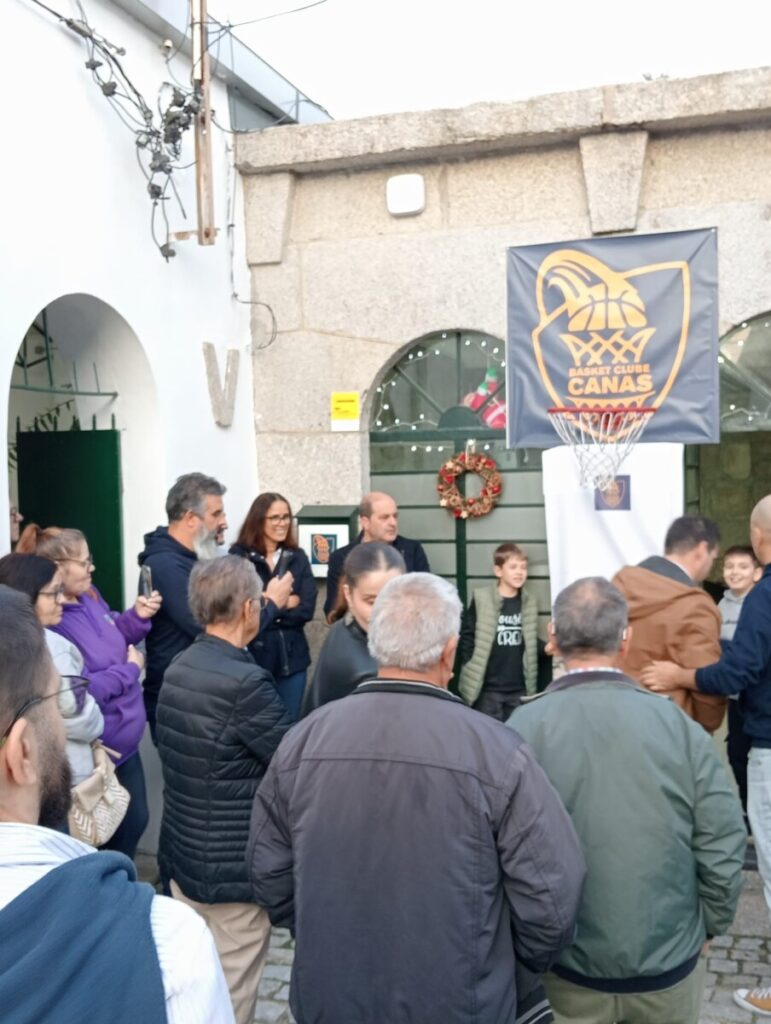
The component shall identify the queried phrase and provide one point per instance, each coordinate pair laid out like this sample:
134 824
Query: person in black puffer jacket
267 539
345 661
219 722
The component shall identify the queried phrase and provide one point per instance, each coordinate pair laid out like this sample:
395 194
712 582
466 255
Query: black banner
615 323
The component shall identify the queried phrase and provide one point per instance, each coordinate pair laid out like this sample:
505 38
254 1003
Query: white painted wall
77 220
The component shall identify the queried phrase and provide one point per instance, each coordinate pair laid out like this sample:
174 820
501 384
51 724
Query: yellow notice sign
344 410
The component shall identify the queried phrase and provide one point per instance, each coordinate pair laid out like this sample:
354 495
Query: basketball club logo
616 497
597 343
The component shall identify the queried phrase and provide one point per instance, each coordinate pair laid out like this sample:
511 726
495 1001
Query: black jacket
219 721
342 664
417 850
411 551
173 628
280 647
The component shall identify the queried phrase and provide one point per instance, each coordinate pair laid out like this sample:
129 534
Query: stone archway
81 364
732 476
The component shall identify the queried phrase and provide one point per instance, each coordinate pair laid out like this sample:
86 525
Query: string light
400 425
485 346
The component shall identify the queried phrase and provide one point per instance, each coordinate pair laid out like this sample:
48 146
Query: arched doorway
444 391
725 481
82 428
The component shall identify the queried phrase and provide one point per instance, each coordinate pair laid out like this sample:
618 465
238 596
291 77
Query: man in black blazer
379 519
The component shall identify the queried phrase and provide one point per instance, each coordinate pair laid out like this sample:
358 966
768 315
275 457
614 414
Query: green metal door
72 478
443 393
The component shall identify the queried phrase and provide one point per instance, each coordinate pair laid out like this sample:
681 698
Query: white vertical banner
591 534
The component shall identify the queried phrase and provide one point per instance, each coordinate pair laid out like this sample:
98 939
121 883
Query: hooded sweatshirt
102 637
77 945
671 621
173 627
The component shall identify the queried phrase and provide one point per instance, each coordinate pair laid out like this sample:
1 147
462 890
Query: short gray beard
206 547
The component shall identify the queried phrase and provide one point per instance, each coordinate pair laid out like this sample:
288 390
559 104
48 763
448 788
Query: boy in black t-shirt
498 641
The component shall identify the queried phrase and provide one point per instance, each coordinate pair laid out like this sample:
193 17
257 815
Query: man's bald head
760 530
379 517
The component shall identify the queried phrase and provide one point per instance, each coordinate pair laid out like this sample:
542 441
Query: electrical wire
278 14
162 140
227 29
232 180
50 10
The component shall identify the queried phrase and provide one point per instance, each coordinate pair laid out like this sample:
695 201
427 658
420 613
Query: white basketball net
600 438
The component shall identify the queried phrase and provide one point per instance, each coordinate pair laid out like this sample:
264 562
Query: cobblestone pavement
741 959
272 1005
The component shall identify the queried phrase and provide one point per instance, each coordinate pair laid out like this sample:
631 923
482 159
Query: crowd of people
459 821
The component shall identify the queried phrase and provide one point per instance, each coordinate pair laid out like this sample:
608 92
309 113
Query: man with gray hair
430 853
197 525
219 722
660 825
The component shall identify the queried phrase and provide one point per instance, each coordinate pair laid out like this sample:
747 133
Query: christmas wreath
447 485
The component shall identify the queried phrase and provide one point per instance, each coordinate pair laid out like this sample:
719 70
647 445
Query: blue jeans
759 811
131 776
290 690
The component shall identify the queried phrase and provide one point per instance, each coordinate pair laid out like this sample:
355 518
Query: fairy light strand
490 348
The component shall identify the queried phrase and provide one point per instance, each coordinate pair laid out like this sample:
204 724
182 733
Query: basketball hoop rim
596 410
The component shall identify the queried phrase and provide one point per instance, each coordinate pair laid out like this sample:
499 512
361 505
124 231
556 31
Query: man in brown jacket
672 618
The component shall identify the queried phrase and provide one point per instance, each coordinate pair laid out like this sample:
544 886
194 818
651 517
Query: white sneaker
757 1000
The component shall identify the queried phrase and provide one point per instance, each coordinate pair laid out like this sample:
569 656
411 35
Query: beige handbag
99 803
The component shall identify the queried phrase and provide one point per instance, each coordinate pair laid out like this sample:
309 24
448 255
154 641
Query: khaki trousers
241 933
574 1004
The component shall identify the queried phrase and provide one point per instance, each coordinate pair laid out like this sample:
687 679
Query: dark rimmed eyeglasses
76 686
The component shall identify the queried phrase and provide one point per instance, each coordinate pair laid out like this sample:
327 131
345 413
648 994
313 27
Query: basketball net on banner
601 438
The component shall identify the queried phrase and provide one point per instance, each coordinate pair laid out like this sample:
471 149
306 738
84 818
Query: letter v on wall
222 396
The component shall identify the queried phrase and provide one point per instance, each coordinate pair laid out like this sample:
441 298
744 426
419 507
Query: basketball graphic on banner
614 325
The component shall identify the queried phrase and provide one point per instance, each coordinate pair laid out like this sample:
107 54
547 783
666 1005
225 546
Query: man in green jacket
660 826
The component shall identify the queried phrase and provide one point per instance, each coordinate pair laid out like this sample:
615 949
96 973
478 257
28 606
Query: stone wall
351 286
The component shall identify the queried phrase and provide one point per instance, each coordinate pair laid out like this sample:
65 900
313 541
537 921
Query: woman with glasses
267 540
106 642
41 580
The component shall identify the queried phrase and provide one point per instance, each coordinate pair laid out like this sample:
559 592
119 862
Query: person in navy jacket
379 517
267 539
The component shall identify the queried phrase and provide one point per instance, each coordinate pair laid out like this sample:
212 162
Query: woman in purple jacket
106 640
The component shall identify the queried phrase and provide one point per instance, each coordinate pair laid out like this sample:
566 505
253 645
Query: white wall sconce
405 195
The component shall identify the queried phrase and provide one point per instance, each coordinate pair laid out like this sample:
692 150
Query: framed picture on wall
319 541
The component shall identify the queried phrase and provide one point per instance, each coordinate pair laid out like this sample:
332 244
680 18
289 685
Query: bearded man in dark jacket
219 722
414 846
196 528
